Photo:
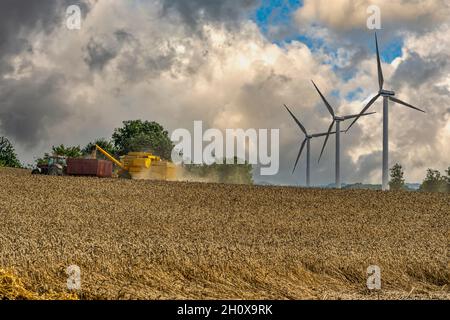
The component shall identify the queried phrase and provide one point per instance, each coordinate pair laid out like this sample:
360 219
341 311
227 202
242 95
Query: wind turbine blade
296 120
330 109
299 154
405 104
358 115
318 135
326 139
371 102
380 71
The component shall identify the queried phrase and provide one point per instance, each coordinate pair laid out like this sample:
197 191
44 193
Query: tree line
133 136
433 182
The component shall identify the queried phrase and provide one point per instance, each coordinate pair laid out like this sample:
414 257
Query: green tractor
55 166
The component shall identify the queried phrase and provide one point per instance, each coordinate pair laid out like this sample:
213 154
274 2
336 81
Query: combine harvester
142 165
135 165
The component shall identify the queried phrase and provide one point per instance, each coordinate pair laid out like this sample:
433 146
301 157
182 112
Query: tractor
55 166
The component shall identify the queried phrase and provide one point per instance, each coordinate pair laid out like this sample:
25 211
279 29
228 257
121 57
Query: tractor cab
55 166
57 160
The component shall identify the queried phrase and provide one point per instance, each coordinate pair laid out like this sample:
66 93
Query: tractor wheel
36 171
54 171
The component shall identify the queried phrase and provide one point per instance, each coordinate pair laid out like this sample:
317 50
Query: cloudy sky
231 64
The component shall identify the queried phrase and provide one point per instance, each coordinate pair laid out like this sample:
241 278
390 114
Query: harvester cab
55 166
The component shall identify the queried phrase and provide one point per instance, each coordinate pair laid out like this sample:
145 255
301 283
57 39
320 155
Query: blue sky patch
392 50
278 14
353 95
275 12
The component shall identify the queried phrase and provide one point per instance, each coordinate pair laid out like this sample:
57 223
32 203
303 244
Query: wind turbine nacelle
387 93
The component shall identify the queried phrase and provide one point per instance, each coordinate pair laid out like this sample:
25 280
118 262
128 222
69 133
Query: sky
231 64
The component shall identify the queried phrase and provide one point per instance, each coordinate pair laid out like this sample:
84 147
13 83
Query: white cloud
352 14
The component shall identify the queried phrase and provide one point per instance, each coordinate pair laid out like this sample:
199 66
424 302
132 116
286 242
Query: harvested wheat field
161 240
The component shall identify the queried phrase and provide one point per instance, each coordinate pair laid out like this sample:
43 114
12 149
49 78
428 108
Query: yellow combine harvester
143 165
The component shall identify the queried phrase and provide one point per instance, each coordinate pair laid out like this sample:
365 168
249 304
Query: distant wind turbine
387 95
336 120
306 142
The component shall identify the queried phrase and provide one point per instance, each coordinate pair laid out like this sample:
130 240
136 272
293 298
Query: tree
397 181
448 179
434 182
69 152
62 151
138 135
8 157
106 145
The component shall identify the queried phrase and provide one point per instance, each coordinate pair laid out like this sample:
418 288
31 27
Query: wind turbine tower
336 120
387 96
307 142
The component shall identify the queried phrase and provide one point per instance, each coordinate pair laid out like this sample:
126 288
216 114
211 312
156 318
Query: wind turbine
336 120
306 142
387 95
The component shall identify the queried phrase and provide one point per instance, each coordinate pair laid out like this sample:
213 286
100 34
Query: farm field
179 240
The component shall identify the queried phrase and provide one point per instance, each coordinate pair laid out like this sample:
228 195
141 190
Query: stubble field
163 240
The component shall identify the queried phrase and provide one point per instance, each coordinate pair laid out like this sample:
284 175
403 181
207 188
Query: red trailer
89 167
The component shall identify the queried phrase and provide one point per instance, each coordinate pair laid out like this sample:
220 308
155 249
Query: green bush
397 181
434 182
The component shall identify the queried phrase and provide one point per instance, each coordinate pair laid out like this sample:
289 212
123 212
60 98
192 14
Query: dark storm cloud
135 61
152 67
123 35
28 107
416 71
98 55
367 164
99 51
19 17
358 55
193 11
